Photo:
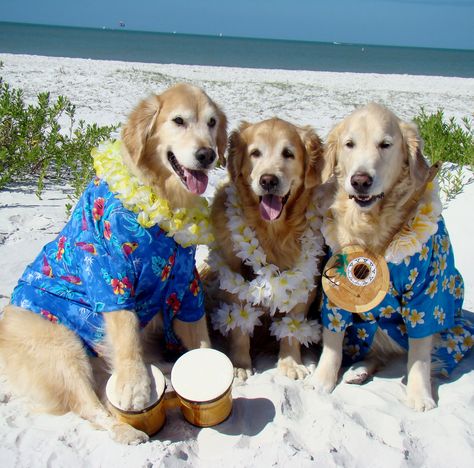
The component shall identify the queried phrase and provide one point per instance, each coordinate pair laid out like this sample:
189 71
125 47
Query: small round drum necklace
356 279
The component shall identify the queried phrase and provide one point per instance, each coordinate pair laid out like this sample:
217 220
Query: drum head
158 385
356 279
202 375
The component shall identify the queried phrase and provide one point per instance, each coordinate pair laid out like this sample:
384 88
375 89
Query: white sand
275 421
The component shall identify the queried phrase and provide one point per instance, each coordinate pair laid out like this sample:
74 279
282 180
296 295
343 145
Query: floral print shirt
425 297
104 260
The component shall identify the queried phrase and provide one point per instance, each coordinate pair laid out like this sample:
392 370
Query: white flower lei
186 226
271 288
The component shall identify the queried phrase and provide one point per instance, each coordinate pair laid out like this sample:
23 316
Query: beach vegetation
43 141
451 142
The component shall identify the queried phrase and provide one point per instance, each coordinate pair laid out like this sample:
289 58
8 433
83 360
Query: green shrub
35 146
449 142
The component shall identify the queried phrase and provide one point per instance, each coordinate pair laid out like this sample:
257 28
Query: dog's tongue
196 181
270 207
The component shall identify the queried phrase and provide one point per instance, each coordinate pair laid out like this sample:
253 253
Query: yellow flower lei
187 226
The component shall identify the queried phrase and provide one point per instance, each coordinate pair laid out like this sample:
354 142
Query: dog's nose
268 182
361 181
205 156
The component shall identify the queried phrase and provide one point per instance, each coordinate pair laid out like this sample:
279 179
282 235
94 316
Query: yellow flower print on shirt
424 252
387 312
443 263
439 314
445 243
362 334
452 284
335 322
444 284
413 275
416 318
434 268
432 288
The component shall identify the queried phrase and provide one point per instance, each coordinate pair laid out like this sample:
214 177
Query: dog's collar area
413 235
187 226
271 287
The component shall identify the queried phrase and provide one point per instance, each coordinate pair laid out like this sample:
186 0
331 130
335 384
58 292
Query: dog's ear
139 126
236 151
221 139
330 152
417 164
314 156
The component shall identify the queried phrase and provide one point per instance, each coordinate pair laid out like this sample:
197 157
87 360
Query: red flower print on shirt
194 287
173 302
60 252
98 210
107 230
87 247
129 247
165 273
120 285
46 268
49 316
72 279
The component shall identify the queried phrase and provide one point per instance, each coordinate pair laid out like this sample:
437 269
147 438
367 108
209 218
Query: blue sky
424 23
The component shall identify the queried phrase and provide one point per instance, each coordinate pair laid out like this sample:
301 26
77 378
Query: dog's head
370 151
274 161
174 138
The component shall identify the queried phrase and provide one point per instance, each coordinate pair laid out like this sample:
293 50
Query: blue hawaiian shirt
425 297
104 260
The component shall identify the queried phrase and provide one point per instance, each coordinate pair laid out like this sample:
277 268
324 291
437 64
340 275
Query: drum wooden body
150 419
355 279
202 380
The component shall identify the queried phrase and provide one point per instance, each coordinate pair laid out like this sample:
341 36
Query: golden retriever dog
118 262
384 201
263 225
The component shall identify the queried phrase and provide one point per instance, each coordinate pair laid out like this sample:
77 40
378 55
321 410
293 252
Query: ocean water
235 52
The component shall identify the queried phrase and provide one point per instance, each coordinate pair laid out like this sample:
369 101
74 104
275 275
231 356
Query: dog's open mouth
366 200
271 206
194 181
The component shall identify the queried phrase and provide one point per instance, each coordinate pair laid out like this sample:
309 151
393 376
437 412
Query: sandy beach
275 421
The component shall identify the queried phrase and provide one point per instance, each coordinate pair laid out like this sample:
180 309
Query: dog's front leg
240 353
193 335
126 355
419 395
325 375
289 359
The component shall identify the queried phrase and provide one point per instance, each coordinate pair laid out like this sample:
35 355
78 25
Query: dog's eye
385 144
212 122
349 144
288 154
178 121
255 153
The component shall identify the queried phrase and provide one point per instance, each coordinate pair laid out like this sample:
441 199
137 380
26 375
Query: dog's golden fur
373 142
47 361
280 238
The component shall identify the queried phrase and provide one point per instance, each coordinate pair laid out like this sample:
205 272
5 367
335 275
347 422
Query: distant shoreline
167 48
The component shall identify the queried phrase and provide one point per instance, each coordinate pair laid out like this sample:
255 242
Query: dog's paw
128 435
291 369
421 402
323 381
132 387
242 373
356 375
